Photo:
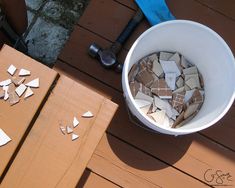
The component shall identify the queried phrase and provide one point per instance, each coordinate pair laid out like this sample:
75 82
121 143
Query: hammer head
106 57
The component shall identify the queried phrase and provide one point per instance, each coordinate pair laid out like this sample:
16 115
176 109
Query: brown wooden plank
50 159
89 180
108 20
75 53
129 167
128 3
15 120
223 131
224 7
192 10
193 154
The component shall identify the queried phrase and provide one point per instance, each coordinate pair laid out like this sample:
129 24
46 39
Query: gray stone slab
45 40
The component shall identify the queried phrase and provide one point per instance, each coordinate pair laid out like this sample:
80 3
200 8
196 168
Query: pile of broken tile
167 88
69 130
13 88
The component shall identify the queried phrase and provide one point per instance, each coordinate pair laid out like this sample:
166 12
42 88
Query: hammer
108 56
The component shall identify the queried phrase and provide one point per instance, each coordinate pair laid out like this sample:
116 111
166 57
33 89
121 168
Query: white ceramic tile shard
28 92
188 95
164 105
20 89
63 129
34 83
180 82
141 103
143 96
24 72
159 116
176 59
11 70
75 122
190 70
157 68
74 136
145 109
192 81
153 57
170 66
5 82
69 129
170 79
165 56
6 95
87 114
4 139
18 81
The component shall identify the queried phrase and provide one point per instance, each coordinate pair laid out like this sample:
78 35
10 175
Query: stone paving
50 23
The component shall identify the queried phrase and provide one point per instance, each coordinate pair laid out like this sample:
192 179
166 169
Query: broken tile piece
28 92
87 114
20 89
145 77
181 89
153 57
146 109
24 72
13 98
74 136
5 82
34 83
11 70
176 59
170 66
4 139
192 108
69 129
157 68
143 96
141 103
184 63
63 129
178 101
179 119
18 81
75 122
160 88
6 95
134 87
192 81
165 56
196 98
190 70
170 79
180 82
163 105
133 72
188 95
159 116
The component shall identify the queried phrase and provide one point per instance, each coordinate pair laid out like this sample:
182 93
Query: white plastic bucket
204 48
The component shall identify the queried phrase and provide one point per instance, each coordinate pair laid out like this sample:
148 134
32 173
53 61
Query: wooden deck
129 156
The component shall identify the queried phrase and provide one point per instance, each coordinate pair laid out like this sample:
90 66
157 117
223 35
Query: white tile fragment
5 82
24 72
11 70
62 129
163 105
69 129
181 89
28 92
145 109
170 66
75 122
180 82
143 96
188 95
190 70
192 81
141 103
87 114
74 136
176 59
6 95
170 79
165 56
20 89
4 139
159 116
153 57
157 69
34 83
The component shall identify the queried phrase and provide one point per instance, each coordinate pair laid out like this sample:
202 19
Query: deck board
193 154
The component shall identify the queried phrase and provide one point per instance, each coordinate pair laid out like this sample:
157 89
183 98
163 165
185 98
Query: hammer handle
127 31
